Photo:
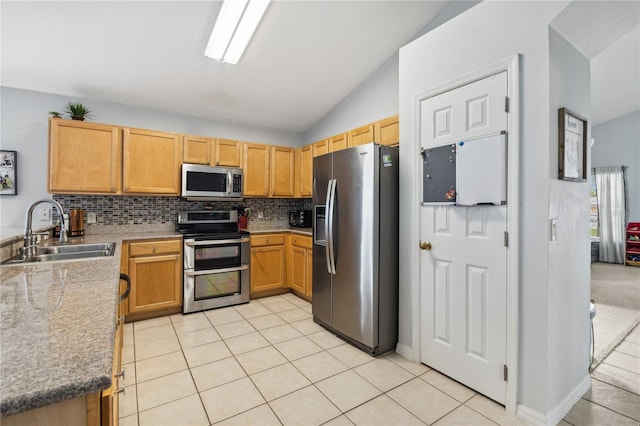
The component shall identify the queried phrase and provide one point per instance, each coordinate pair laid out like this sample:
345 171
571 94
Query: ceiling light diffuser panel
234 27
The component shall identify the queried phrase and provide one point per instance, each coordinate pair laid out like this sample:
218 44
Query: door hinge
506 238
506 104
505 372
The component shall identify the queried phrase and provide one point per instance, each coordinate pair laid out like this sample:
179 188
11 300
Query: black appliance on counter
300 218
216 259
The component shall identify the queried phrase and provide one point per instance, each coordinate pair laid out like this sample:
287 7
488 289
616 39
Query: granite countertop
57 326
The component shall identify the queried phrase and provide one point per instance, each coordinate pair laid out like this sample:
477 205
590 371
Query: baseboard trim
406 351
566 404
532 416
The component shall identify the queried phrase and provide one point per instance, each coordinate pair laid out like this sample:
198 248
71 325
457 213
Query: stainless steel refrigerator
355 251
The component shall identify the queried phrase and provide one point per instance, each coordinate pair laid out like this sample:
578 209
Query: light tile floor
614 397
268 363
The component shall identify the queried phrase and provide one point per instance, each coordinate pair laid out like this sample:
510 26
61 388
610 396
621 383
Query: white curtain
612 209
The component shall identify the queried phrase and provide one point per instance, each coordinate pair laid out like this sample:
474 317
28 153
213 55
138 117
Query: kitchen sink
65 252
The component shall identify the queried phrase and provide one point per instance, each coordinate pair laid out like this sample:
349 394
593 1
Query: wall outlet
91 218
260 215
44 215
553 229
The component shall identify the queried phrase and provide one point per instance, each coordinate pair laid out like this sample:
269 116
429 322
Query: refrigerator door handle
327 227
330 236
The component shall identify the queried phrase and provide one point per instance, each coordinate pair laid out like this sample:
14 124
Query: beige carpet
616 291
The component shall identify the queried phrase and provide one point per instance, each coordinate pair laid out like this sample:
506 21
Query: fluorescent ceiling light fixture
236 23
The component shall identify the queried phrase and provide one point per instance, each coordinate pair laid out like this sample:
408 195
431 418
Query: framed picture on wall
8 173
572 146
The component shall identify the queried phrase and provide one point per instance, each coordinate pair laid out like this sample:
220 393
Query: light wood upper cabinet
282 171
361 135
83 157
338 142
388 131
321 147
151 162
304 177
256 170
213 152
228 153
196 149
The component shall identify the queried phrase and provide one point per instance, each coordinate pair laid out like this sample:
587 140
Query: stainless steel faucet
29 241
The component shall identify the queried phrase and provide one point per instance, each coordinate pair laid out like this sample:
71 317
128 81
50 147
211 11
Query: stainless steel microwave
211 183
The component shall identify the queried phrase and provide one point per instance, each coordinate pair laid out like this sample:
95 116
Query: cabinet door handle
124 295
122 390
120 374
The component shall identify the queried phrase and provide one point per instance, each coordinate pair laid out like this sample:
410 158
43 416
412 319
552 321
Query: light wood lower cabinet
81 411
109 407
155 270
300 261
267 263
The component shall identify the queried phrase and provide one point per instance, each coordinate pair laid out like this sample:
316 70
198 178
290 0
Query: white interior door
463 275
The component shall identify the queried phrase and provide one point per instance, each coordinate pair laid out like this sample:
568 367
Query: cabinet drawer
154 247
267 240
301 241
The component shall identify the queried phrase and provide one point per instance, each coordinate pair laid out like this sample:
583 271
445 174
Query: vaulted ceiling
306 56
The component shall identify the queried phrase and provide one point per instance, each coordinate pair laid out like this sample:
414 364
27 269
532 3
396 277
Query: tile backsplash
132 210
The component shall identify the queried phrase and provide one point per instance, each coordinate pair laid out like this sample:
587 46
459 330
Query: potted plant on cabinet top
55 114
77 111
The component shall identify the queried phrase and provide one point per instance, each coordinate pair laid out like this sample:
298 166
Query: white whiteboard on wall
481 170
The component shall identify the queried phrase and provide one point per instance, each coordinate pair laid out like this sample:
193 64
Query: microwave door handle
229 183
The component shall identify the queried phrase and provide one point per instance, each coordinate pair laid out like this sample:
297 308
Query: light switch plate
91 218
553 229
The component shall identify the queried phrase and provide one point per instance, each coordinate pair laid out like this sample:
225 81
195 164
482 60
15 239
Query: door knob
425 245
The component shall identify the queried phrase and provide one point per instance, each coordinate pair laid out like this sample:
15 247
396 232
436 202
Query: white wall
568 276
617 143
24 126
486 34
377 96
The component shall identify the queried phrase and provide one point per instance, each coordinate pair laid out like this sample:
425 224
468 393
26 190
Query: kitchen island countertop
57 326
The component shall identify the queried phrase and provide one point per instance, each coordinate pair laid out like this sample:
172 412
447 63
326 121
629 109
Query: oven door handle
215 271
192 243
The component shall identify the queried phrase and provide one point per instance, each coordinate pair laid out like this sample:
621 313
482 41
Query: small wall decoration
572 146
8 173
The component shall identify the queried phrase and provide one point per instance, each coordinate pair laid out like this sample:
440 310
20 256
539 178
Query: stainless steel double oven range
216 260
